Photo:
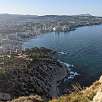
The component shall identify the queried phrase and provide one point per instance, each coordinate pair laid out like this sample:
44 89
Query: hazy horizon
45 14
51 7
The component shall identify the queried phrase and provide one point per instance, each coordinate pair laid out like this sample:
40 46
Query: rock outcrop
98 96
5 96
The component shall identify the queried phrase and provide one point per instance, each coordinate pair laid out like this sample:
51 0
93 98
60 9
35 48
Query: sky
51 7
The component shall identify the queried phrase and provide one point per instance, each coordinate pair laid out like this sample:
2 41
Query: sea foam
72 74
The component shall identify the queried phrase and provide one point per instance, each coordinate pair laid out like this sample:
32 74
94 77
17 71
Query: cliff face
29 73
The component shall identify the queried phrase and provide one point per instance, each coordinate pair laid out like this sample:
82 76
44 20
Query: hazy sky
46 7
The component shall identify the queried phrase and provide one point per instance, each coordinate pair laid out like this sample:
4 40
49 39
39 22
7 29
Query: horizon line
23 14
46 14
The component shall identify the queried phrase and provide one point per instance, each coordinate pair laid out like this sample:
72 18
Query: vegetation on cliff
30 72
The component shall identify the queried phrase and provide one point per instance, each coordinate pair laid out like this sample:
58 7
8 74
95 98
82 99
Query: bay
81 48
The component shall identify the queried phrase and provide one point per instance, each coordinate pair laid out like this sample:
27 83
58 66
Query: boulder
100 80
98 97
5 97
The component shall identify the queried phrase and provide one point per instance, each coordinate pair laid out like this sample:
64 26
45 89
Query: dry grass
93 89
28 99
74 97
81 95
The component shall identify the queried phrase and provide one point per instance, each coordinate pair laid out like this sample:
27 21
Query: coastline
18 47
72 29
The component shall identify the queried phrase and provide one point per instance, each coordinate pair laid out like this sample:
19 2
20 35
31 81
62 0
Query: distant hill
85 15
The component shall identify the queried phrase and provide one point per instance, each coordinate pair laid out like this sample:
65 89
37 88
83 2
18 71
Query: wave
62 53
72 74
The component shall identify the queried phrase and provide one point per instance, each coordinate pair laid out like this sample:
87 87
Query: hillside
30 72
36 72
